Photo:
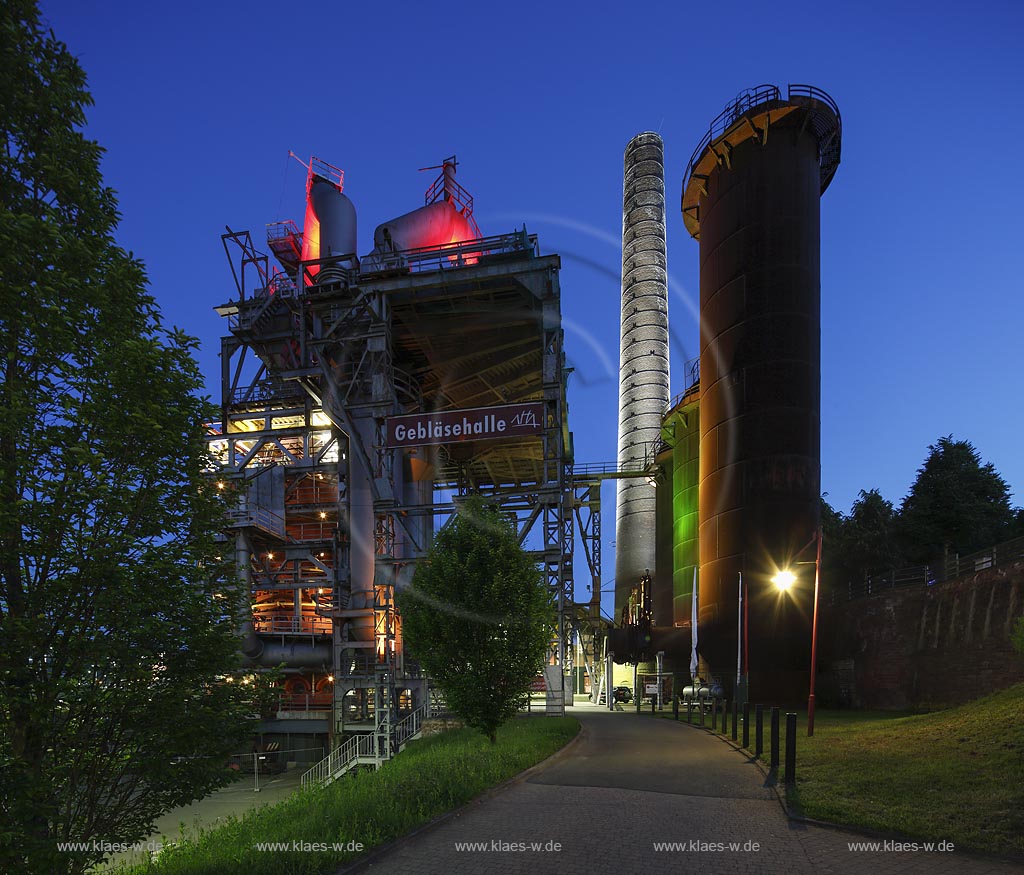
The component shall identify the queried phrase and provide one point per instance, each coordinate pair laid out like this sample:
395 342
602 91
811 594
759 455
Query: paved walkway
633 781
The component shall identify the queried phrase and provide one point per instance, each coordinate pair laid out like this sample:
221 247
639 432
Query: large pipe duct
362 546
445 220
752 199
436 224
329 227
268 654
643 358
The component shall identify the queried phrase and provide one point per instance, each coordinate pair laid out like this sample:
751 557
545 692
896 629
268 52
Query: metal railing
438 188
282 230
315 532
306 702
761 94
277 624
816 94
317 493
258 517
363 748
744 101
692 370
321 168
454 255
408 728
609 469
267 390
359 747
929 575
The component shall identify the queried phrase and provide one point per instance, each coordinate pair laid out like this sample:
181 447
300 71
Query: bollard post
725 716
714 715
675 707
700 707
653 703
638 698
689 710
773 765
735 712
790 747
759 731
746 725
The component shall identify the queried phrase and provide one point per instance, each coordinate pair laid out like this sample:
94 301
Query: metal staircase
363 749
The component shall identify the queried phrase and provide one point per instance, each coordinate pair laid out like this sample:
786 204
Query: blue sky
198 104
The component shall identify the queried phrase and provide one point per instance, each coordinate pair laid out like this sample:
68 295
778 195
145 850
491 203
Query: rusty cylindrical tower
751 196
643 356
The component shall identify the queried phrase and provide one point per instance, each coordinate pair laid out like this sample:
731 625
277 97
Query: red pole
814 639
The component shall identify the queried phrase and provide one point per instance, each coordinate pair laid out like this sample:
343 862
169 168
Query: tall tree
114 631
957 504
478 617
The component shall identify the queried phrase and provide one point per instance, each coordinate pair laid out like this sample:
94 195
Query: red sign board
476 424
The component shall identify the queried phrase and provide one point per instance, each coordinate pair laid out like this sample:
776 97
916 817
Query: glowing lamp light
323 514
784 579
220 484
330 678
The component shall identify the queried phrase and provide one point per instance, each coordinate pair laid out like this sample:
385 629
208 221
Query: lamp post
784 579
742 642
814 639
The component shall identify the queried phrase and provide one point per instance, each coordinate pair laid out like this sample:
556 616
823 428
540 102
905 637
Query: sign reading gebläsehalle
476 424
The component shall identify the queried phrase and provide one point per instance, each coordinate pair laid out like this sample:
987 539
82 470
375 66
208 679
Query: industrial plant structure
361 398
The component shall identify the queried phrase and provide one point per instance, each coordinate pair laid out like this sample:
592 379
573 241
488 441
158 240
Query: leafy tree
833 546
114 632
478 617
870 535
957 504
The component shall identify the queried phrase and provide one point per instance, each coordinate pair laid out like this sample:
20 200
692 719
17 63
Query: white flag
693 626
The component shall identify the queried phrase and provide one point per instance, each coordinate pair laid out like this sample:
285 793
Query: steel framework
317 357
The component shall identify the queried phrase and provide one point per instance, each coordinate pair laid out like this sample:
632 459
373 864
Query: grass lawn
956 774
430 777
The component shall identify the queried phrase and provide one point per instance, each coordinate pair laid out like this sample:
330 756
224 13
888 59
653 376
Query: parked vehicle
622 694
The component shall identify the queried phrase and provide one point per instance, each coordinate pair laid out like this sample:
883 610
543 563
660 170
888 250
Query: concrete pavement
641 794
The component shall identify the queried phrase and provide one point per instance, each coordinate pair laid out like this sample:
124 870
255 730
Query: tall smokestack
643 356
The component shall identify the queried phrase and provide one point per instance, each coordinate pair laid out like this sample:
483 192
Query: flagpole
693 626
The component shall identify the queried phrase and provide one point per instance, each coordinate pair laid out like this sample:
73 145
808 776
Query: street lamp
784 579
